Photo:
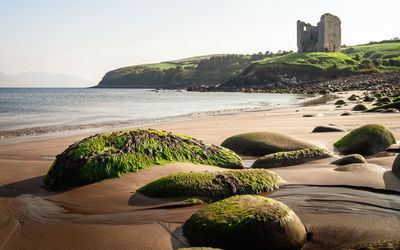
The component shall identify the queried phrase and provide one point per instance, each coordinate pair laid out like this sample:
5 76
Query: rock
396 166
352 167
309 115
369 99
290 158
346 114
348 159
366 140
340 102
213 185
383 245
263 143
246 222
390 110
360 107
353 97
321 129
394 148
111 155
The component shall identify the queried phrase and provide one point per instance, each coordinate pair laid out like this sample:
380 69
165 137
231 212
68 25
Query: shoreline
46 132
110 214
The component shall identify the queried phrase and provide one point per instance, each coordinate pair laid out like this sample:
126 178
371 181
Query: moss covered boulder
262 143
396 166
113 154
349 159
366 140
246 222
360 107
213 185
290 158
394 105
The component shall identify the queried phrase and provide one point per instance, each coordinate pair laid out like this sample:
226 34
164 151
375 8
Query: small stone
348 159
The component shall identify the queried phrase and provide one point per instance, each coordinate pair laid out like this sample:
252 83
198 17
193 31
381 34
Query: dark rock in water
263 143
360 107
366 140
213 185
290 158
111 155
348 159
396 166
321 129
246 222
394 148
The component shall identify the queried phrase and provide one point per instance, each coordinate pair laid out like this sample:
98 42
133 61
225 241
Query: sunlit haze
89 38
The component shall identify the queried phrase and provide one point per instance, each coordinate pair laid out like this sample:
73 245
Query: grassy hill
269 69
210 69
317 66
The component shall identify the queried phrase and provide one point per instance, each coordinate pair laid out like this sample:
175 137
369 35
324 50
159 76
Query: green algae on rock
360 107
290 158
213 185
246 222
366 140
340 102
394 105
262 143
110 155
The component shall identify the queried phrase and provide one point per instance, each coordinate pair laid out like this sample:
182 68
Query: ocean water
39 111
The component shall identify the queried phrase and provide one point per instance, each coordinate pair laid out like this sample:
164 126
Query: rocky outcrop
263 143
246 222
110 155
366 140
213 185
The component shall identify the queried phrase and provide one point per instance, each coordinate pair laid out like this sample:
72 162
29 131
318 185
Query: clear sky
87 38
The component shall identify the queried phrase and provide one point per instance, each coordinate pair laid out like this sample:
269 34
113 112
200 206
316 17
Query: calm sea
29 112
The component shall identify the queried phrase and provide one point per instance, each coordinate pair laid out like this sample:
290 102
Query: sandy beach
338 209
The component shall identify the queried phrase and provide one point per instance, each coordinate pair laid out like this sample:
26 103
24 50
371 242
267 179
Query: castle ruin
325 37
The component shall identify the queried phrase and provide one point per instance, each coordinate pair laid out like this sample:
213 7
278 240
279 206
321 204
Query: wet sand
339 209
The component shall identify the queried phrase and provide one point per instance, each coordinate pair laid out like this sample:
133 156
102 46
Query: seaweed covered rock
113 154
396 166
348 159
383 245
330 128
360 107
390 106
246 222
262 143
340 102
366 140
290 158
213 185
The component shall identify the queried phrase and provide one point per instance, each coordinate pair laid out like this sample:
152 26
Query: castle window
304 28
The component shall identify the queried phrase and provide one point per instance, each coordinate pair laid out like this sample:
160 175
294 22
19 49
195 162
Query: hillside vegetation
267 70
294 68
209 70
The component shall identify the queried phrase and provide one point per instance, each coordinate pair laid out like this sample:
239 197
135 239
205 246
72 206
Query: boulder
290 158
366 140
111 155
322 129
263 143
353 167
353 97
340 102
246 222
396 166
360 107
346 114
348 159
213 185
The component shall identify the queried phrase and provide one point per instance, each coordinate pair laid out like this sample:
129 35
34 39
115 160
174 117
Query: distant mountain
43 79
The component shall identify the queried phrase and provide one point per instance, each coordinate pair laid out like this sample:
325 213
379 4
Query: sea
28 113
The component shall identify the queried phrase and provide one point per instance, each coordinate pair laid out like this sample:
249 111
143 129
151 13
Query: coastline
110 214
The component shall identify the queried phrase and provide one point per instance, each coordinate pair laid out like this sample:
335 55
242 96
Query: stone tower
325 37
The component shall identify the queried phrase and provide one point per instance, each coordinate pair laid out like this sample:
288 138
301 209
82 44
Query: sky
87 38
